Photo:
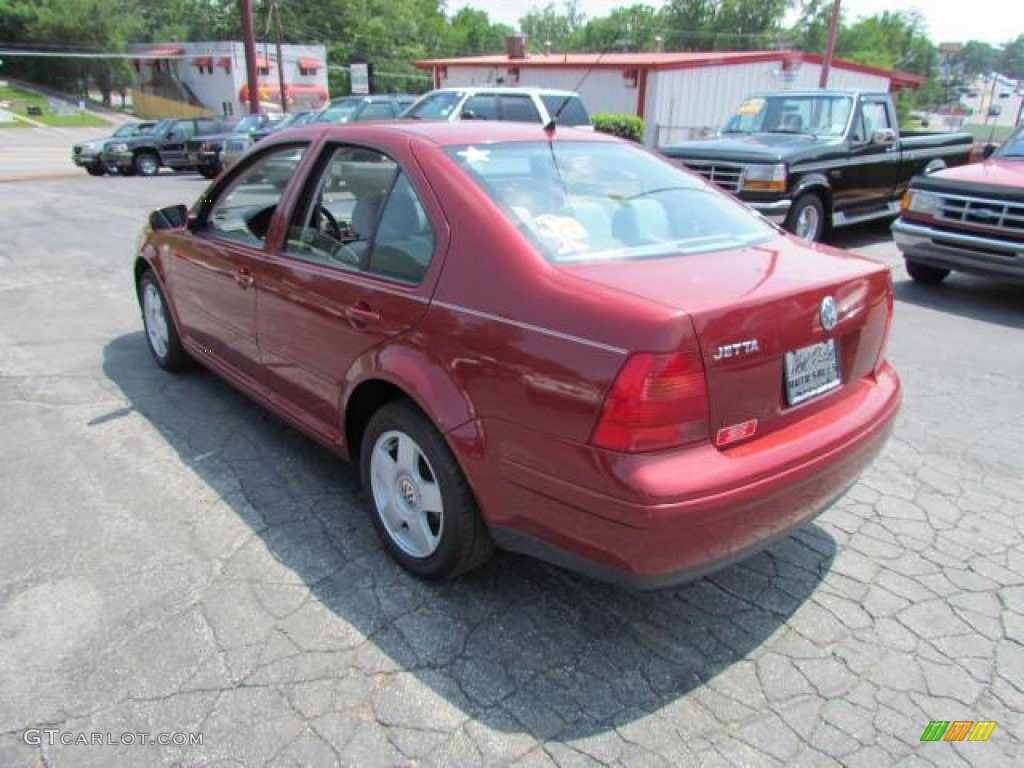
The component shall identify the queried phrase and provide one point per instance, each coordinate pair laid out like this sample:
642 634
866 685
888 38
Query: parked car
163 146
89 154
352 109
812 160
238 144
527 105
968 219
204 151
555 342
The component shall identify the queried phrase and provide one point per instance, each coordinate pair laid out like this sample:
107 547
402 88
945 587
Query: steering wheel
333 229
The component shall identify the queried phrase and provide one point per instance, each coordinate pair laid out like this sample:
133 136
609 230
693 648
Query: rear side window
572 110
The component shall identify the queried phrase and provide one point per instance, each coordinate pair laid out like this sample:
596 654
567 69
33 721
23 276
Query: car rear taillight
656 402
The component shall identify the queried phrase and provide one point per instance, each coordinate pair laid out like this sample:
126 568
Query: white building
679 95
212 77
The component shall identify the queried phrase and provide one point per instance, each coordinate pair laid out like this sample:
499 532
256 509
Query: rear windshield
589 201
572 110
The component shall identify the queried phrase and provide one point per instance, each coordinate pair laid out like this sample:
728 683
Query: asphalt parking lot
177 561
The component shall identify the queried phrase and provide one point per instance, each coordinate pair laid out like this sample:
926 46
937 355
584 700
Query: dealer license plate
811 371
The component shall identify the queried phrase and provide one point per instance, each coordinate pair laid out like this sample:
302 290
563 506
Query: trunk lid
751 308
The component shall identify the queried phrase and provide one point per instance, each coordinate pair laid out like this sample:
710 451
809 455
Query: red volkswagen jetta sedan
551 341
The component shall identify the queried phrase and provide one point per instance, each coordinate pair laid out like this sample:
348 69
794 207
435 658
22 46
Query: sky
990 21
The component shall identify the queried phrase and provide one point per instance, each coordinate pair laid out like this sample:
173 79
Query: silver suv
524 105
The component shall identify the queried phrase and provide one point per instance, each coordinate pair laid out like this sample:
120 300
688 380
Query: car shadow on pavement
518 646
986 299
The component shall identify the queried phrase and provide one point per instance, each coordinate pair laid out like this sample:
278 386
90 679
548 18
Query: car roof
514 89
444 133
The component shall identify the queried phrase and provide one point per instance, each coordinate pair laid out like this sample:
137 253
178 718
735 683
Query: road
175 560
35 153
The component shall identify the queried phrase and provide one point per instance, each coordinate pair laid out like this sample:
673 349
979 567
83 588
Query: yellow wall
150 107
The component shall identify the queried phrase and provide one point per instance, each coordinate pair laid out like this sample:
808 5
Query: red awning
162 53
270 92
262 62
307 63
203 61
224 61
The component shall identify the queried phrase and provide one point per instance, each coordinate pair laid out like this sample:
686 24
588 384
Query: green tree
632 28
549 24
1011 60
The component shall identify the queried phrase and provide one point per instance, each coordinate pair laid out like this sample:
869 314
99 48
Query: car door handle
244 278
362 314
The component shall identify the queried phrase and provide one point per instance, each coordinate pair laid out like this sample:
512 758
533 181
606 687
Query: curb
43 175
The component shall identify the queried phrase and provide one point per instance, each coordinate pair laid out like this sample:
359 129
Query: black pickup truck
811 160
164 146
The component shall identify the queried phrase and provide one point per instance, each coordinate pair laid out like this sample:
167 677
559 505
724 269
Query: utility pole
280 59
830 49
251 73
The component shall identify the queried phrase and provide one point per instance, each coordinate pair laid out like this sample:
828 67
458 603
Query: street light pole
249 40
830 49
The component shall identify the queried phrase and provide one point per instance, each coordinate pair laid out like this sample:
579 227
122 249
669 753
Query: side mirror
987 151
883 136
172 217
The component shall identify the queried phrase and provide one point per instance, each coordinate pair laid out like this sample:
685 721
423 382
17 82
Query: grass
20 100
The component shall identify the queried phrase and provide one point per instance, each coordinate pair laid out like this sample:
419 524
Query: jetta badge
829 313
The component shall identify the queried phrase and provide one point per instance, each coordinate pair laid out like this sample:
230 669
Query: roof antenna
550 126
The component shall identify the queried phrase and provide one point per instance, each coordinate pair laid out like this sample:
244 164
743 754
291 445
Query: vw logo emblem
829 313
408 492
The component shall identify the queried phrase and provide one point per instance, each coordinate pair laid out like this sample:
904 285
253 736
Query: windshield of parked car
294 120
818 115
434 106
588 201
339 111
1012 147
248 124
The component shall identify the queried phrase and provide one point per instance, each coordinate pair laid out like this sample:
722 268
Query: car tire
417 496
925 274
146 164
806 218
94 170
161 335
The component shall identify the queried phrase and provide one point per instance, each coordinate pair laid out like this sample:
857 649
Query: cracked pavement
175 559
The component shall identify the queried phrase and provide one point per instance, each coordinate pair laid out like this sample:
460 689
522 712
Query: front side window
434 106
363 215
244 209
876 117
587 201
519 109
482 106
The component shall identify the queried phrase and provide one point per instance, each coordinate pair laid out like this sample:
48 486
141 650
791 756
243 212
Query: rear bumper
977 254
680 515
